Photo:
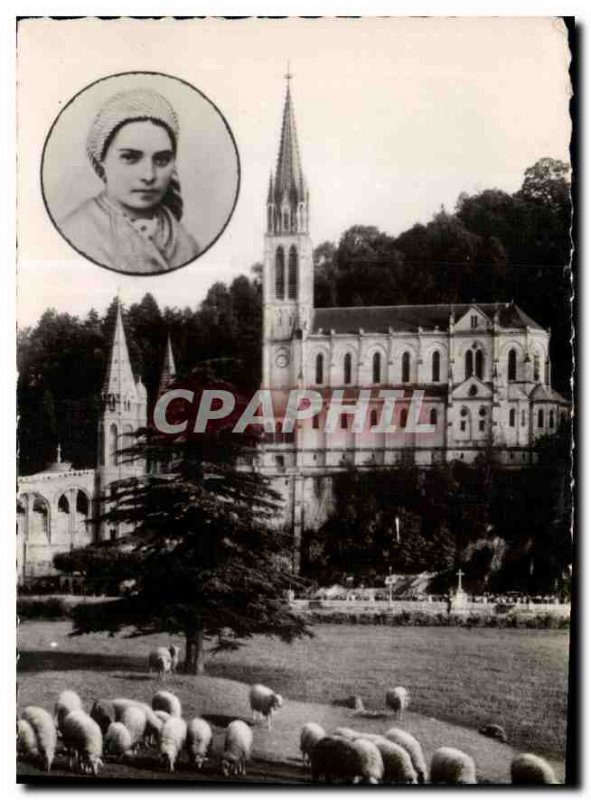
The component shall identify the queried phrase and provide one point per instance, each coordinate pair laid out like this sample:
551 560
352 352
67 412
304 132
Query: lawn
459 679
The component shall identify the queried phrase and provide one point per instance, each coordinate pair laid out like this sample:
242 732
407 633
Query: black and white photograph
300 513
132 137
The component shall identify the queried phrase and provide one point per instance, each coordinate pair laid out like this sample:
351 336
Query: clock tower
288 271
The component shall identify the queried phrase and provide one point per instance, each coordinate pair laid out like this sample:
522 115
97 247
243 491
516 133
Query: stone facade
480 374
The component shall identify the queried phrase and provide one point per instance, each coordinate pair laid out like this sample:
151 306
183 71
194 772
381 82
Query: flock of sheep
118 728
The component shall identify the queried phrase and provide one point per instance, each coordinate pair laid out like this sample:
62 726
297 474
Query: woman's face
138 166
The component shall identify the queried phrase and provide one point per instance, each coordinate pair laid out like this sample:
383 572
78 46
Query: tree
210 564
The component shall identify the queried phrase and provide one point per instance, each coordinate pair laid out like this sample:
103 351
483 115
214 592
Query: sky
395 118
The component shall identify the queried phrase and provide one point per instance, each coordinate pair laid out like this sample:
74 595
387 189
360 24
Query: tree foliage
205 559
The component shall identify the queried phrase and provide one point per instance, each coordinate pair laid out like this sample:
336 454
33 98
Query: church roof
168 372
547 393
119 379
379 319
289 177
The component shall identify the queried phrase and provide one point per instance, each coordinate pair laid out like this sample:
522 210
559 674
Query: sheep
398 766
167 701
83 737
370 761
527 768
345 733
397 700
310 734
175 653
26 745
162 715
117 740
134 719
66 702
45 732
160 661
154 722
171 741
264 702
199 736
120 704
237 748
449 765
493 731
103 713
413 748
335 757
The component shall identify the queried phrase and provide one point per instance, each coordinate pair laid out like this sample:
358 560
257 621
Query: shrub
43 608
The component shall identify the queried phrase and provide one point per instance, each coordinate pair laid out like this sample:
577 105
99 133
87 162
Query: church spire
288 194
119 378
168 372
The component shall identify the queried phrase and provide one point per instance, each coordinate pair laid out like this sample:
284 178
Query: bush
439 619
43 608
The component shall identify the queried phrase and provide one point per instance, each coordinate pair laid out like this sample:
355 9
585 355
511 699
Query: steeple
168 372
119 378
287 203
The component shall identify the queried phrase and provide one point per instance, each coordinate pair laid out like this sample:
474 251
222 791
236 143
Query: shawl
105 234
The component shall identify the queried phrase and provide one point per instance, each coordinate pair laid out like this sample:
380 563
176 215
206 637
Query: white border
8 13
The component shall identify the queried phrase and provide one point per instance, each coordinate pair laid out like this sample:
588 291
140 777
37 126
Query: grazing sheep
118 740
398 766
120 704
449 765
397 700
199 736
66 702
345 733
103 713
153 723
335 757
26 743
264 702
413 748
134 719
527 768
45 732
237 748
167 701
171 741
160 661
370 761
83 737
310 735
494 732
175 654
162 715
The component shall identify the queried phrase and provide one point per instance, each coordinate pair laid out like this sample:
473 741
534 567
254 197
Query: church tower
288 270
124 409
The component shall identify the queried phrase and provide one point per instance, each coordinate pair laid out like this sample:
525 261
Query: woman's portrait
133 216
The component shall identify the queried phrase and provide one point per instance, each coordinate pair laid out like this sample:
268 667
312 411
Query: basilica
482 372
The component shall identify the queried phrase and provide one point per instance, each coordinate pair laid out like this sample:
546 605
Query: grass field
459 679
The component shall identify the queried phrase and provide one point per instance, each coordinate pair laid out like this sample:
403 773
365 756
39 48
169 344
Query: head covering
129 106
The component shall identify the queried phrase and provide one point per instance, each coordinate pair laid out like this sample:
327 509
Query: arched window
512 366
403 417
292 274
347 368
373 417
541 418
406 368
344 422
551 419
316 422
376 368
435 367
512 418
286 221
536 367
113 445
280 274
479 369
319 368
63 504
522 418
469 364
433 416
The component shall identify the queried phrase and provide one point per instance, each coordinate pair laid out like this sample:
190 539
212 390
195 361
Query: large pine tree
203 557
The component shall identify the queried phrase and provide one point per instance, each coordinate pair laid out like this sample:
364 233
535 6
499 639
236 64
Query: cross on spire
288 75
459 573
